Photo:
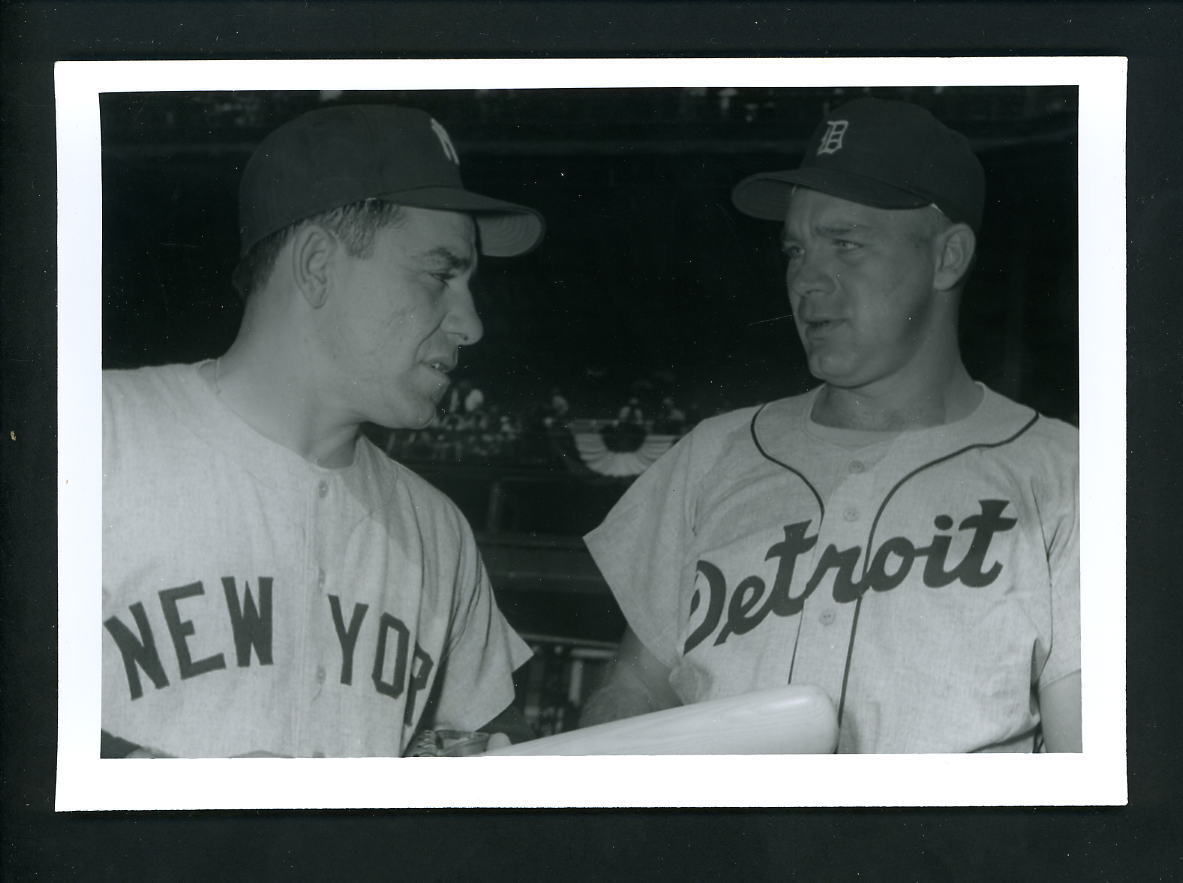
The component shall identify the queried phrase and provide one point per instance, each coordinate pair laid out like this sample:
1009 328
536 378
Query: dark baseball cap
334 156
882 153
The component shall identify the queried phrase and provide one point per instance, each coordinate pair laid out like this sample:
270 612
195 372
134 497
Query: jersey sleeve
641 548
483 652
1061 515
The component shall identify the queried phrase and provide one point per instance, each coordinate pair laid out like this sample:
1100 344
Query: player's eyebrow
841 228
444 258
832 230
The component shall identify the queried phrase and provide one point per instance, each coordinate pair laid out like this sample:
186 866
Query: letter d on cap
831 141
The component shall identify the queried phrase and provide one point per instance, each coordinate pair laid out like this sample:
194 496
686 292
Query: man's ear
314 251
954 253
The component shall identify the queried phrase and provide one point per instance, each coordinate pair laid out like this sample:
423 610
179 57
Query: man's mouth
442 367
818 326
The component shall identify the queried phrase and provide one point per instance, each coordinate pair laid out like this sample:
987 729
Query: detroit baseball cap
334 156
882 153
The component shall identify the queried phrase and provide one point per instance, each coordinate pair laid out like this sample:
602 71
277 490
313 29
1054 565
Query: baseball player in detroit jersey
901 536
272 582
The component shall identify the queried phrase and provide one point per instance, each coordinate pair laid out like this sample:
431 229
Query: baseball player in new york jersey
901 537
272 582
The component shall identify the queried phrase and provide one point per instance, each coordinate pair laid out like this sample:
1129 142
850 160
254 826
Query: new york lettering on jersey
236 622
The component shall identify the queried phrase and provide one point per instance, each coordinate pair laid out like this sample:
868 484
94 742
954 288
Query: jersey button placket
313 672
821 652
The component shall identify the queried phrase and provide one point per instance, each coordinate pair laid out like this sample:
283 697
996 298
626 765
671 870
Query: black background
1141 841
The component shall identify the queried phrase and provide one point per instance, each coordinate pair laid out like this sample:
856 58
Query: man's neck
273 398
892 409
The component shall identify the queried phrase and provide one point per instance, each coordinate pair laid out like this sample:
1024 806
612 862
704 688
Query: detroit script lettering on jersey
738 609
397 668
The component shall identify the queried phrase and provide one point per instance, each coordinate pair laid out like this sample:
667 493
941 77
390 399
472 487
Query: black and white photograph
606 510
736 414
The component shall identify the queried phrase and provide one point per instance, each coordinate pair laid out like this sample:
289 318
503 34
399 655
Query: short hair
355 225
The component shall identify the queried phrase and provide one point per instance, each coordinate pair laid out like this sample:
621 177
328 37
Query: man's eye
845 244
791 252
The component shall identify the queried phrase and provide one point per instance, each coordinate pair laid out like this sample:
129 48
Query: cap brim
766 195
506 229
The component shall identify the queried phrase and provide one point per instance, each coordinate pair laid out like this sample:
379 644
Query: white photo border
1095 777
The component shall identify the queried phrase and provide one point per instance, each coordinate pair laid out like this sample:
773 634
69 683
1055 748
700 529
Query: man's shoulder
147 373
1033 427
1057 434
388 474
722 429
141 385
150 427
725 423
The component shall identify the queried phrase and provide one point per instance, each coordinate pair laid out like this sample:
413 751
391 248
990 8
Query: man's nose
809 276
463 322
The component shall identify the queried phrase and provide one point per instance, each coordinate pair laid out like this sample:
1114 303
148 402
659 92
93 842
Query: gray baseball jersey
927 580
253 601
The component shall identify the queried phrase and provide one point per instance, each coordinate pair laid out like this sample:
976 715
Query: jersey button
850 514
323 489
827 617
857 466
320 674
320 578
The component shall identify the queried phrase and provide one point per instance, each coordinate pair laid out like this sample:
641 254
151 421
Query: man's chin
420 418
421 423
833 374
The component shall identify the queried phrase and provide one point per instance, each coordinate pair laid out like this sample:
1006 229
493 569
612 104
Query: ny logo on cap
831 141
445 142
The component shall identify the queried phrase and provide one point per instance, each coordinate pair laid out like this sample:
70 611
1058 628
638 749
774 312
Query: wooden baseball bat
782 720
